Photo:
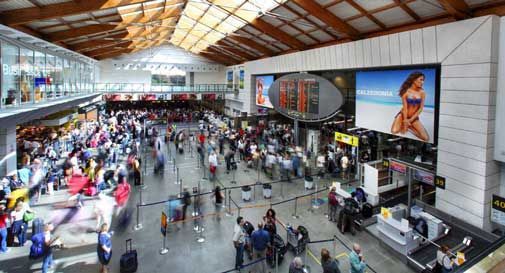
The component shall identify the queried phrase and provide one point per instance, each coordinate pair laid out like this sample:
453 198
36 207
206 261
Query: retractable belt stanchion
177 176
229 213
296 206
138 226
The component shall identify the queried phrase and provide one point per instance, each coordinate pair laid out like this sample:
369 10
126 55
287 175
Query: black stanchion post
177 176
296 207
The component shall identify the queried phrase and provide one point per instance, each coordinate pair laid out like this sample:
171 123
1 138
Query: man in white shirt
238 242
344 161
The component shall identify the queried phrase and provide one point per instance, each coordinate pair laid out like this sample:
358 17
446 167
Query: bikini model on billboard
259 87
413 97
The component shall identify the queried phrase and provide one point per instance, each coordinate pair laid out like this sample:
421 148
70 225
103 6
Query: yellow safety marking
313 257
343 254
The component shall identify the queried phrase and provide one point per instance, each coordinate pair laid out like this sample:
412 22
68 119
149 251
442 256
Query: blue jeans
20 227
3 242
239 258
47 262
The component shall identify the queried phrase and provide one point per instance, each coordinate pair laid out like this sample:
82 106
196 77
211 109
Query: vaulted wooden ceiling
227 31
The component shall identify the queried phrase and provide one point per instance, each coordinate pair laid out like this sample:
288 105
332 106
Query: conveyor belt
455 237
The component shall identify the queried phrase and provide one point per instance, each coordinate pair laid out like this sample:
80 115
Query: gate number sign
498 210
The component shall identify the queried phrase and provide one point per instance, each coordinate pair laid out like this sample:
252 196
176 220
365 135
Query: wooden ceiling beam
250 43
223 54
170 14
297 13
328 18
108 49
277 34
215 59
79 47
236 51
408 10
113 54
365 13
495 8
458 9
27 15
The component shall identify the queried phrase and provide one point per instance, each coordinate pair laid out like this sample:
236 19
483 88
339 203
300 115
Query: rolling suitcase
367 211
128 262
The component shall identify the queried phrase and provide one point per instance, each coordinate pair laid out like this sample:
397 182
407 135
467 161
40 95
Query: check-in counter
395 231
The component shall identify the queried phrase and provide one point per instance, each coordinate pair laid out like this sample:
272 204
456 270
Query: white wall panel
384 50
471 123
345 55
478 98
367 53
429 45
469 70
464 136
499 152
464 176
405 48
416 43
376 52
394 49
338 52
471 150
352 55
466 110
359 54
467 217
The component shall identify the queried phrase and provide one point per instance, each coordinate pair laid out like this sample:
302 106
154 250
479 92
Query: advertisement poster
397 167
424 177
263 83
398 102
229 78
241 79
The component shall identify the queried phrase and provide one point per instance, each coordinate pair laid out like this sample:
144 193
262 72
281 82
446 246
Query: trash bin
267 191
309 182
246 193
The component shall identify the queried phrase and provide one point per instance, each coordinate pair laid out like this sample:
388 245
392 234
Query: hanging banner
347 139
425 177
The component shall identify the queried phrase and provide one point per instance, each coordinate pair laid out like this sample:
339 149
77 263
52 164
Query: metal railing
154 88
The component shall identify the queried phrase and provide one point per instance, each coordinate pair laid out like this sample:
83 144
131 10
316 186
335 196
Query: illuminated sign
347 139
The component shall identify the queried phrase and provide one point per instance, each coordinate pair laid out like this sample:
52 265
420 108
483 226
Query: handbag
28 216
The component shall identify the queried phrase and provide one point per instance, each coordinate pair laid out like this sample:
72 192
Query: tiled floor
185 254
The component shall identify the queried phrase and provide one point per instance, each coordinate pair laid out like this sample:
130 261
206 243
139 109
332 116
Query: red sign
397 167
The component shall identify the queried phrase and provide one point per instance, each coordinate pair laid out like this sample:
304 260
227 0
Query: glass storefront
10 74
31 76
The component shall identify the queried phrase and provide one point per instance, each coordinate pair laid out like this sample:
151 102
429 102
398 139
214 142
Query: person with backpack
41 247
104 247
346 217
18 226
333 204
186 201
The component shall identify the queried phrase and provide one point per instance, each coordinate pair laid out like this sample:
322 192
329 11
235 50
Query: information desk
397 233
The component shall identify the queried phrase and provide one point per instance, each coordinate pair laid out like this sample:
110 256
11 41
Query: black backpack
350 206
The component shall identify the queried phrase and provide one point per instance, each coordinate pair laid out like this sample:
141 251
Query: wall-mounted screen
398 102
305 97
263 83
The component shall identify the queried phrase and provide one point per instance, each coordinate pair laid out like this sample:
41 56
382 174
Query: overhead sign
347 139
440 182
498 210
305 97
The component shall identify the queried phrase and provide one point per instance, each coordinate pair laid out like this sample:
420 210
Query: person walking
104 248
356 260
333 204
218 201
18 226
228 159
238 242
260 239
212 165
49 242
186 201
329 265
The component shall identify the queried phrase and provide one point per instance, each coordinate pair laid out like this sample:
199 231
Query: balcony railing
150 88
43 93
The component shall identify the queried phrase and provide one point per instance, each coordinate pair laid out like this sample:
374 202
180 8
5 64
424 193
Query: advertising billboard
398 102
241 79
305 97
263 83
229 78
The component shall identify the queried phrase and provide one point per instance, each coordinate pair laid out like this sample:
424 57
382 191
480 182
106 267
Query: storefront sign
385 163
440 182
424 177
398 167
498 210
164 224
347 139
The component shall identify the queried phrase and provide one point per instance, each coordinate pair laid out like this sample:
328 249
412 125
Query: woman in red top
3 229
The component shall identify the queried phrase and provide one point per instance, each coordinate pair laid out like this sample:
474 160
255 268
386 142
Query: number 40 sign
498 210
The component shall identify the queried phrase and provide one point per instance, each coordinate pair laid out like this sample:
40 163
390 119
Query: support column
8 159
